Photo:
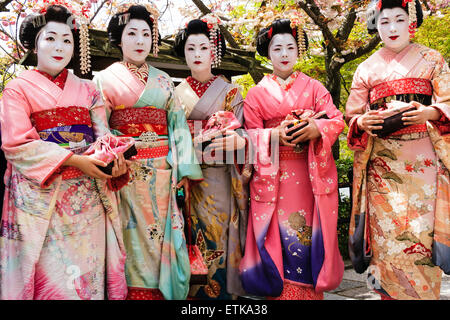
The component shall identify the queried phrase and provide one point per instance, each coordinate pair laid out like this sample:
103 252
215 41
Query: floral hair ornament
412 13
297 23
85 51
124 18
296 26
213 22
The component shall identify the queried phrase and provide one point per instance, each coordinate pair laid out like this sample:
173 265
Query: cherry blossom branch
349 22
313 11
205 10
98 10
368 47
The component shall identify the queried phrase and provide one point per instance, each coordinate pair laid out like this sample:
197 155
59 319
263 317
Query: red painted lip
393 37
58 58
140 51
285 62
197 62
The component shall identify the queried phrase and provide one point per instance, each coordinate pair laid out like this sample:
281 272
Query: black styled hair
30 26
195 26
373 12
278 26
116 27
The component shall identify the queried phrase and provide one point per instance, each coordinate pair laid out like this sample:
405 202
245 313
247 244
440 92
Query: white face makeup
54 47
392 27
283 53
197 51
136 42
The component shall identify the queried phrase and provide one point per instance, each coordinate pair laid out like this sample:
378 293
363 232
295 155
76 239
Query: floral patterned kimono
219 203
60 234
140 103
291 248
402 181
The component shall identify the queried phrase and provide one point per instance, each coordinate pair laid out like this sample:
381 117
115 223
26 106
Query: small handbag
392 124
108 147
199 269
300 116
218 121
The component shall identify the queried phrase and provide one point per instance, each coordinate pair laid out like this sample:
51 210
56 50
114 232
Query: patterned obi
287 153
406 90
69 127
147 124
132 122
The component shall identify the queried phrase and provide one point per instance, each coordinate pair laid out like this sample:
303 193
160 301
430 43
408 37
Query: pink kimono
60 234
291 247
401 182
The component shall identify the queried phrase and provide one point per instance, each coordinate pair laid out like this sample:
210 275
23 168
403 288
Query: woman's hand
230 142
370 121
308 131
421 115
185 184
88 165
120 167
280 133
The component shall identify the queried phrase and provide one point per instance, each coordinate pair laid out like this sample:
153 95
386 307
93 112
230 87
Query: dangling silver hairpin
124 19
38 21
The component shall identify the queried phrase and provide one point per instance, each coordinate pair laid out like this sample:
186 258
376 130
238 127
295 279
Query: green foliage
245 82
434 33
343 224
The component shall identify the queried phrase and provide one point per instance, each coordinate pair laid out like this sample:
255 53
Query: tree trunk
333 85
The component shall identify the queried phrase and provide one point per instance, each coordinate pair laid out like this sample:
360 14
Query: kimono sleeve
97 111
252 114
322 166
235 103
441 94
105 102
187 163
34 158
99 118
329 128
357 104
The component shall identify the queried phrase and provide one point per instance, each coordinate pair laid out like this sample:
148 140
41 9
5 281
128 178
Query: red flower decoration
409 168
428 162
405 2
379 5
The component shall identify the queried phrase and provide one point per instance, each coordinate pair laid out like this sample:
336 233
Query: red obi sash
420 88
149 153
286 153
401 86
61 116
133 122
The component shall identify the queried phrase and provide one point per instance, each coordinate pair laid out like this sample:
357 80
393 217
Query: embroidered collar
198 87
140 72
59 80
285 84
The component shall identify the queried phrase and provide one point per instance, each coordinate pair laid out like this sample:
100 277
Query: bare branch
349 22
372 44
313 11
4 4
98 10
